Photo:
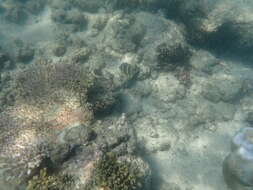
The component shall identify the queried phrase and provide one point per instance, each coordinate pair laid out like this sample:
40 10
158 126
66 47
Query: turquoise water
126 94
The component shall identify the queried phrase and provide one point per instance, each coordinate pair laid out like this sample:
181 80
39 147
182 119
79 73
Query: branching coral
44 181
110 174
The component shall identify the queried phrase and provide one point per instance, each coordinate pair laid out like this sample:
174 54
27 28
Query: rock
131 104
58 16
249 117
164 146
155 134
81 55
100 23
167 88
88 5
238 165
136 4
144 73
5 61
209 24
168 31
72 19
203 61
224 111
222 88
171 56
247 108
16 14
76 17
120 133
194 112
170 186
25 53
59 50
78 135
124 33
35 7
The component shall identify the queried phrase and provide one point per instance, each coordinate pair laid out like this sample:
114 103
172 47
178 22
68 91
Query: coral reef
234 37
59 50
35 6
204 61
137 4
223 88
172 56
126 77
44 181
81 55
49 79
15 13
88 5
18 12
25 53
210 26
128 33
72 19
99 23
129 70
48 99
110 174
5 60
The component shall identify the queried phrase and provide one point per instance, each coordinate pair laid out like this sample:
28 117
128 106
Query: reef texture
50 120
122 77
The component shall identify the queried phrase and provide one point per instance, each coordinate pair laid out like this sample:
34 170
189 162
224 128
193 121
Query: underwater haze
126 94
